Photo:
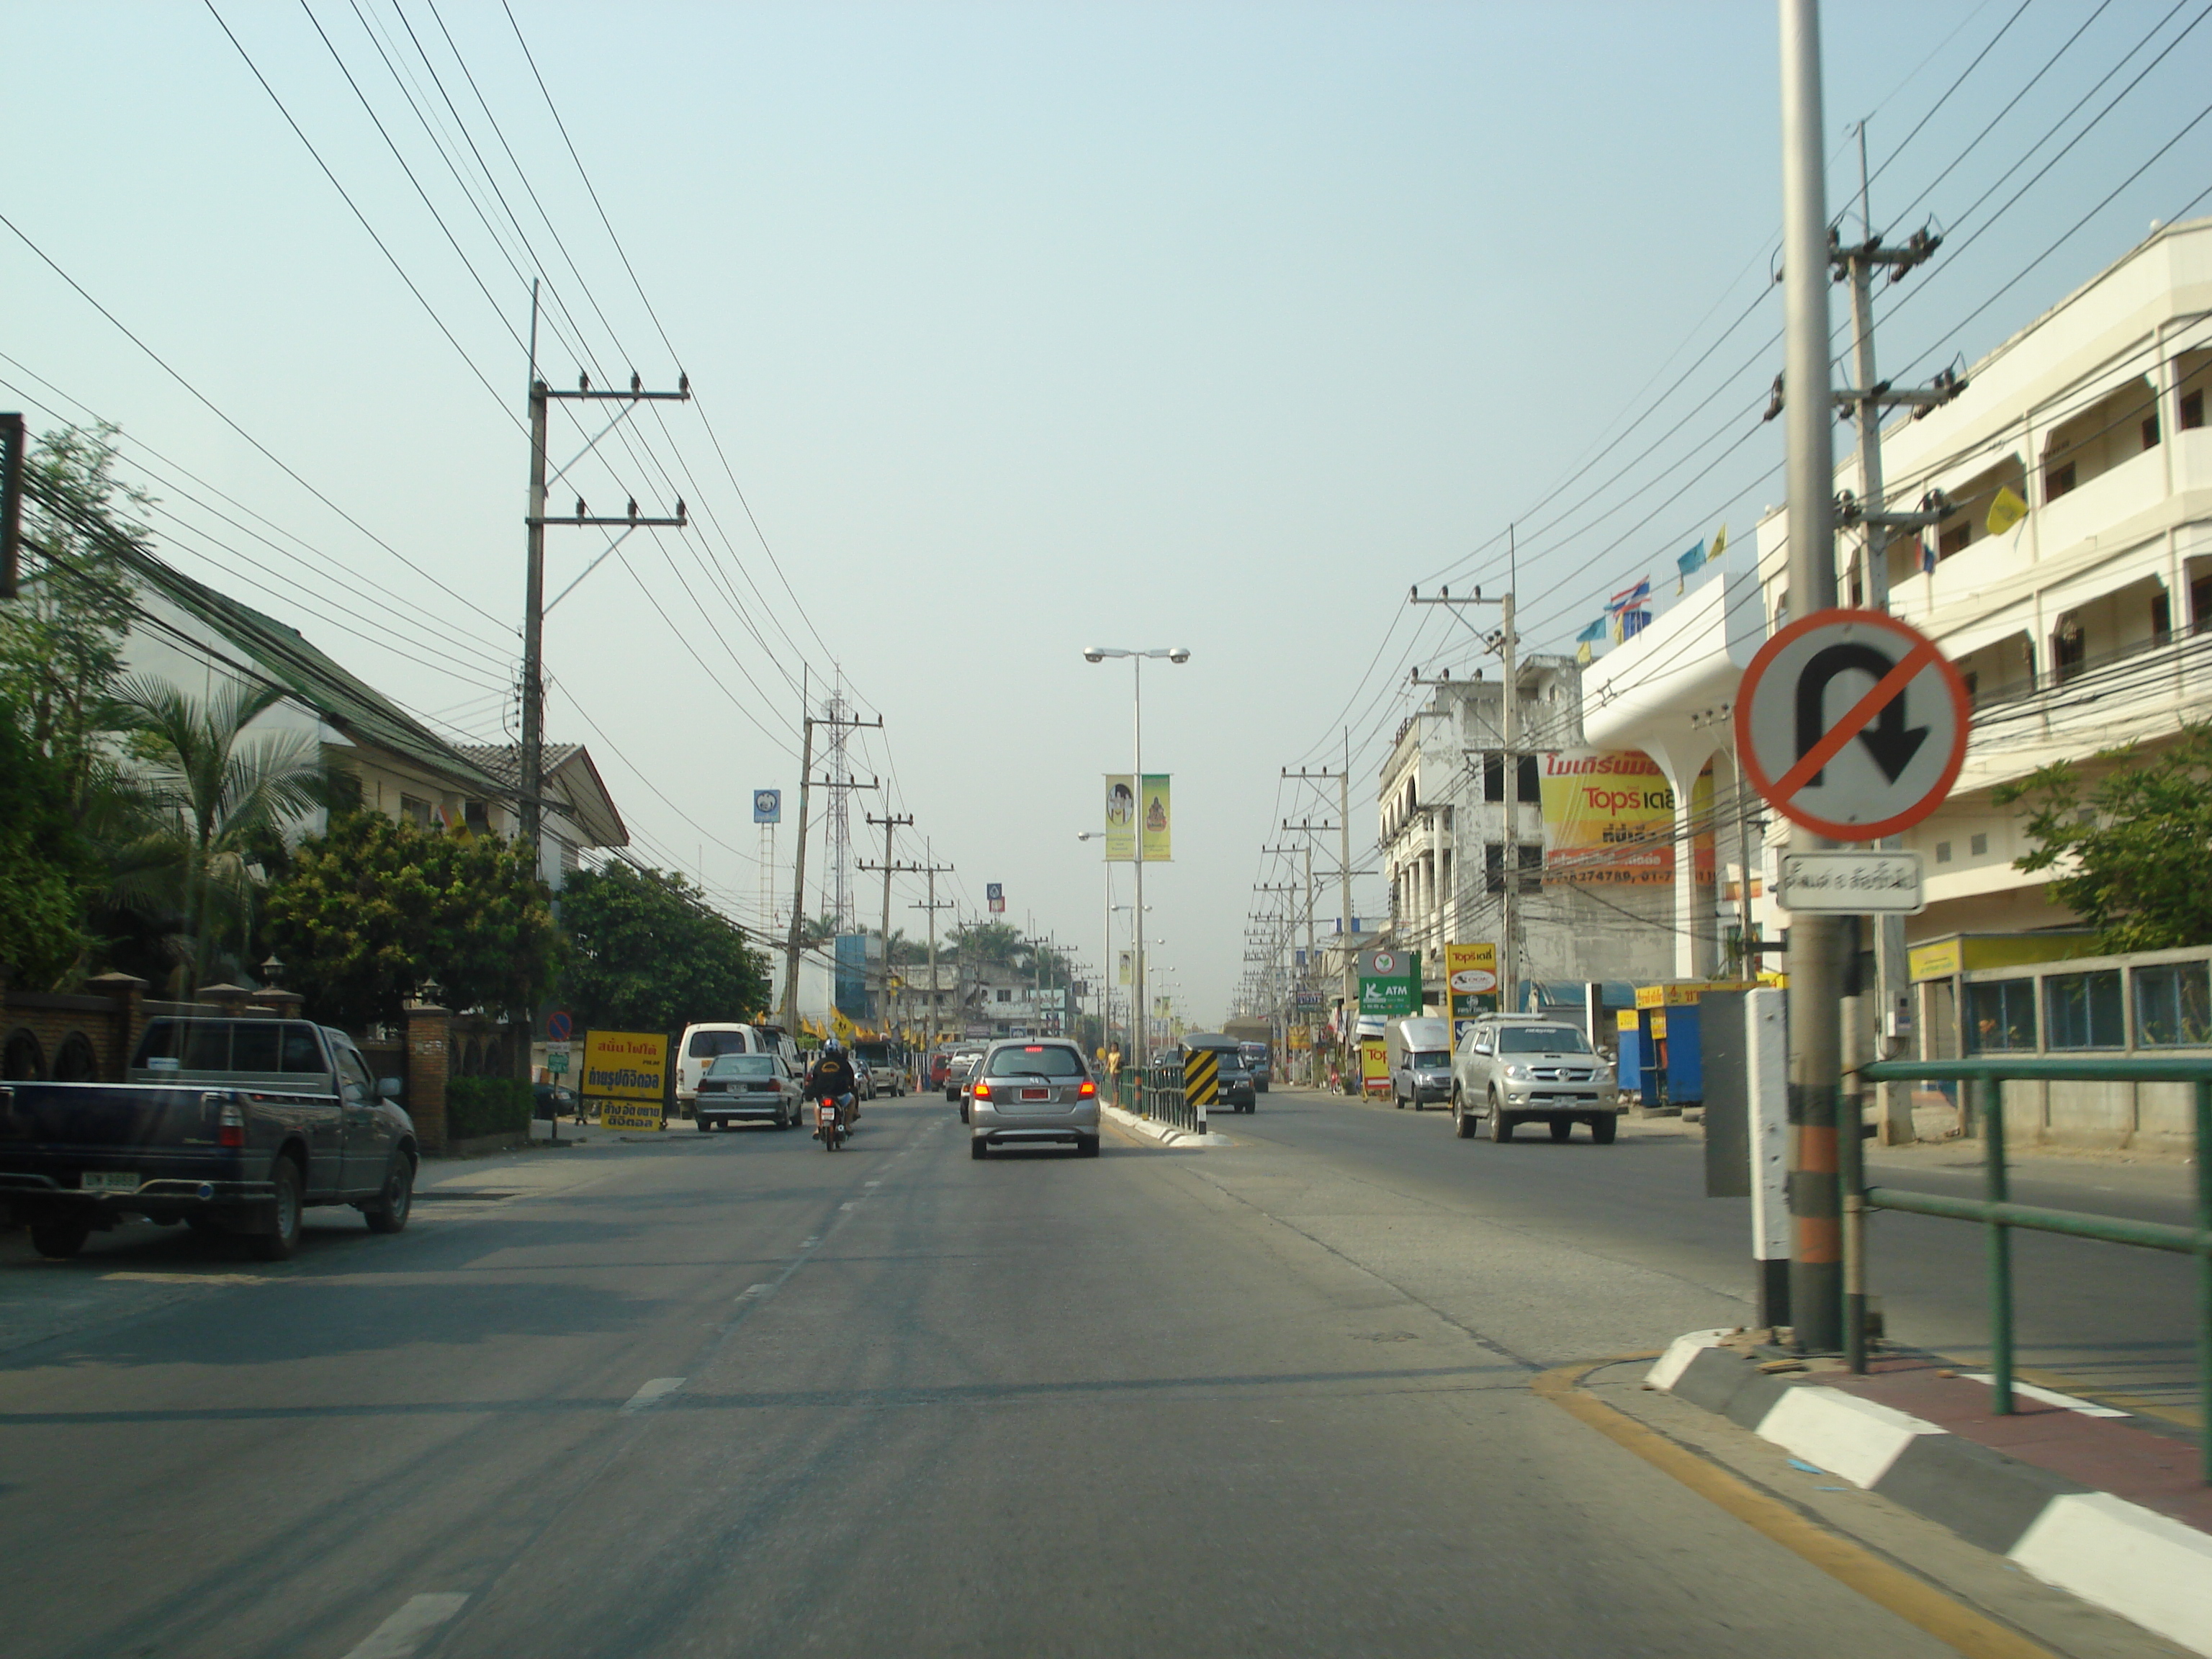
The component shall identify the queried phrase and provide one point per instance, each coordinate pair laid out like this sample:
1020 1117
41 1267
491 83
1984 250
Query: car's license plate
1036 1094
107 1180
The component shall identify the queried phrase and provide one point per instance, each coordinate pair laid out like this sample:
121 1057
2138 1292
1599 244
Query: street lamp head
1181 653
1092 653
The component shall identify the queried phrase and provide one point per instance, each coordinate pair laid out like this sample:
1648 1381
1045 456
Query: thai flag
1629 596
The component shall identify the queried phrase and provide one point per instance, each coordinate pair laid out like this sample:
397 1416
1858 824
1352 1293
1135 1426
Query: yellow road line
1912 1598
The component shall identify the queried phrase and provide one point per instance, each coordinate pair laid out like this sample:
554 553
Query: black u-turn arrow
1887 737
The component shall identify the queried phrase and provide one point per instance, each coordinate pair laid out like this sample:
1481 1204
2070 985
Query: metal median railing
1999 1215
1166 1099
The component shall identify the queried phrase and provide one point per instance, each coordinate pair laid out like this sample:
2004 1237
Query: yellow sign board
624 1066
1470 970
1684 993
1375 1065
631 1115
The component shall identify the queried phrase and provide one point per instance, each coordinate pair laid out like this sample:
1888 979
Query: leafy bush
487 1106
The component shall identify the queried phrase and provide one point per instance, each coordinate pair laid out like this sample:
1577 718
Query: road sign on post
1852 724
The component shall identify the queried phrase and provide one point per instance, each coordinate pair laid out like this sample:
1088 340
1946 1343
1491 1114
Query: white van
698 1050
1420 1060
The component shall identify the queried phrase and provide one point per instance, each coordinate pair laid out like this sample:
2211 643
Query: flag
1926 557
1627 597
1720 545
1595 632
2006 511
1582 654
1691 560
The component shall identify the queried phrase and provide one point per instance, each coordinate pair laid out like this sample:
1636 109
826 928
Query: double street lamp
1174 654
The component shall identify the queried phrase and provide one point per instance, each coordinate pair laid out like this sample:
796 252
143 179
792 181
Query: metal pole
14 438
929 857
1995 1188
531 770
1138 1010
1347 1040
1815 1268
1849 1149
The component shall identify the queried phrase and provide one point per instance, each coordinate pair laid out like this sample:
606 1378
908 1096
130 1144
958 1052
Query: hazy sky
1020 327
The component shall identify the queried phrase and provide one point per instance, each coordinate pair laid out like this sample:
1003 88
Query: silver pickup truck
231 1126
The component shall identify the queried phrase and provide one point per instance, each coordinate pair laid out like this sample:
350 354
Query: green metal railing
1163 1099
1999 1215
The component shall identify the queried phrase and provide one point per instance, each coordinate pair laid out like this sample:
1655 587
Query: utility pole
542 398
933 869
1816 942
13 440
1867 401
891 822
809 720
1505 644
1347 1025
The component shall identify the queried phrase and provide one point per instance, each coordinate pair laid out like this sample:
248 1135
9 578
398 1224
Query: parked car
1237 1091
232 1125
553 1100
1421 1050
886 1062
747 1089
1512 1069
1027 1094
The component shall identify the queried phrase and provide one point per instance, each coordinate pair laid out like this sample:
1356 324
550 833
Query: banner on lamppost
1120 819
1128 968
1127 809
1159 840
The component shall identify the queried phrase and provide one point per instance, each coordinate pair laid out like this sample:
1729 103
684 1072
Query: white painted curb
1856 1438
1680 1353
2133 1561
1160 1132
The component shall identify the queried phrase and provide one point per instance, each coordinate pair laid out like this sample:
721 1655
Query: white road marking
874 1183
849 1206
398 1636
2048 1396
651 1393
190 1279
757 1290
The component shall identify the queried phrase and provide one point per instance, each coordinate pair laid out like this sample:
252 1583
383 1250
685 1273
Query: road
725 1394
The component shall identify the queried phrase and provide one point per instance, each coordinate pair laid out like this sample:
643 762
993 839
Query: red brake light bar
1088 1089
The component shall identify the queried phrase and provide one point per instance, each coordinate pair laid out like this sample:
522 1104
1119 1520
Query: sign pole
1814 956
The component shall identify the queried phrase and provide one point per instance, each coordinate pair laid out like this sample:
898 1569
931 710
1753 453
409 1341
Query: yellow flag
1720 545
2006 511
1582 655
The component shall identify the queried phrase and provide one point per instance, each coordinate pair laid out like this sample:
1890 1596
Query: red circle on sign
1765 783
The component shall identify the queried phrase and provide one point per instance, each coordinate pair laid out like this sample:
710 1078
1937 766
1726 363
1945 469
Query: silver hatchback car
1039 1093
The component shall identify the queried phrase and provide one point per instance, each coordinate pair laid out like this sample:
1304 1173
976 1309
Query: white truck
1420 1050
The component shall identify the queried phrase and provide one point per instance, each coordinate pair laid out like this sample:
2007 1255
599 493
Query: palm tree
213 797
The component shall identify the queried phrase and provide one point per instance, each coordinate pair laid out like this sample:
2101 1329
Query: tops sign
624 1066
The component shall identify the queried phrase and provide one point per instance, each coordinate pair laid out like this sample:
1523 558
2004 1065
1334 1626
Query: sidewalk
2089 1499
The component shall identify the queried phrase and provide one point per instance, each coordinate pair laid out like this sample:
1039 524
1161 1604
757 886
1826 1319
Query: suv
1512 1069
1032 1093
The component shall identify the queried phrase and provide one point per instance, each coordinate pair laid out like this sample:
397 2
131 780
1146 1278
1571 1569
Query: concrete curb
2114 1554
1160 1132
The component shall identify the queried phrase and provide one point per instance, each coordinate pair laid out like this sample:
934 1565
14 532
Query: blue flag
1691 560
1595 631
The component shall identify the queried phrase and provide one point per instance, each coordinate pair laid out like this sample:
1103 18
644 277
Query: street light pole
1178 654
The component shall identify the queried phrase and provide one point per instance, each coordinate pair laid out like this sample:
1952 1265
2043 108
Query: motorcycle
828 1124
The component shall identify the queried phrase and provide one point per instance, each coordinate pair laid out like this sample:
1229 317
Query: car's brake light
1088 1089
230 1127
981 1091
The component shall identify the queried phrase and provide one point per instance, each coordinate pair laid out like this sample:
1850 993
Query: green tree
649 954
217 801
371 909
45 868
61 640
2136 847
987 944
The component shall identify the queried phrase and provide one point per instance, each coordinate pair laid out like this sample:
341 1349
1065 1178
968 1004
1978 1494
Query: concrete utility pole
933 870
1867 401
809 720
13 440
1348 1023
532 758
1816 942
1505 644
891 822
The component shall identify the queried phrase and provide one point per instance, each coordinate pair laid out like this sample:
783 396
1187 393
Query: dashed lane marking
651 1393
400 1635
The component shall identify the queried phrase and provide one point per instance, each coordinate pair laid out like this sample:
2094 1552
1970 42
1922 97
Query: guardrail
1999 1215
1165 1100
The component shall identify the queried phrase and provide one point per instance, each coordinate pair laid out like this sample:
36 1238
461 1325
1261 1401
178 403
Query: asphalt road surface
728 1394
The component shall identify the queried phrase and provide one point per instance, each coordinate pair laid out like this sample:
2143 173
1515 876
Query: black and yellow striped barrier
1201 1082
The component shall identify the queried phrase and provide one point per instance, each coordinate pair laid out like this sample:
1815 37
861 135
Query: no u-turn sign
1852 724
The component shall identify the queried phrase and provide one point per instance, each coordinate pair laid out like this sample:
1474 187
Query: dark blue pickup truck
231 1126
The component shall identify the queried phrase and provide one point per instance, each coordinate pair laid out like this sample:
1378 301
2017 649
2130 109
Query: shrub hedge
487 1106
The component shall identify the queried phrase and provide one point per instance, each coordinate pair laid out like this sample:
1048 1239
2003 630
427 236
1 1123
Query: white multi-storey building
2082 622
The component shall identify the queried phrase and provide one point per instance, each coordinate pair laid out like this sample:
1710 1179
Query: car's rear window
705 1045
230 1045
743 1066
1035 1060
1541 1040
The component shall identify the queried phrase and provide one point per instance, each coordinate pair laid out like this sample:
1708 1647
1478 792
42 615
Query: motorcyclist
832 1074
